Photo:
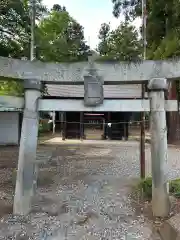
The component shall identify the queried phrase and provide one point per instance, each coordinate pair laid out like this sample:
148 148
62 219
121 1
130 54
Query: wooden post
142 139
173 117
107 130
20 126
124 126
160 198
54 121
103 128
64 127
60 121
27 150
81 126
127 126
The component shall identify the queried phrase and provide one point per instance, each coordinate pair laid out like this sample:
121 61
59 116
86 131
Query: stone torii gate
92 75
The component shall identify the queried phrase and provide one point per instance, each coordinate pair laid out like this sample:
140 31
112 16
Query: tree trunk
173 118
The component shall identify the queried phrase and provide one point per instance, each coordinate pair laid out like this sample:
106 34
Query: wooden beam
73 73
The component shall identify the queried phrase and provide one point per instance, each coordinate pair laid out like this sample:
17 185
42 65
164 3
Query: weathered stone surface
25 180
158 84
32 84
93 91
170 230
17 104
73 73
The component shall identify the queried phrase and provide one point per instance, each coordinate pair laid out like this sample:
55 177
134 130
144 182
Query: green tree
120 44
129 8
104 33
11 88
15 35
61 38
15 27
58 37
163 34
162 24
58 8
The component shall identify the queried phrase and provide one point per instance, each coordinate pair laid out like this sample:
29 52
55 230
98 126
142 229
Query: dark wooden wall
73 127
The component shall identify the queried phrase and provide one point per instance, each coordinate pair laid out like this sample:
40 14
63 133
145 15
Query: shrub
145 187
174 186
44 127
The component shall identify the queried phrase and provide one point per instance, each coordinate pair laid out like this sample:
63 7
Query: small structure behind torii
92 75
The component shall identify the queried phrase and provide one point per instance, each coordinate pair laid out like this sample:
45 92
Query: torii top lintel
73 73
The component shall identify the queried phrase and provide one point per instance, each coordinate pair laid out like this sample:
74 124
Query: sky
90 14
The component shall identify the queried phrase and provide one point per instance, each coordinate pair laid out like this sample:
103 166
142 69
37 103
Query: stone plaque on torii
93 86
155 72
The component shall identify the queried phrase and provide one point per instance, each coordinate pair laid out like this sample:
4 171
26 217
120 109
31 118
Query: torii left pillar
27 150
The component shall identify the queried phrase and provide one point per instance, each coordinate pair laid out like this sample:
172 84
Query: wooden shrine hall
75 125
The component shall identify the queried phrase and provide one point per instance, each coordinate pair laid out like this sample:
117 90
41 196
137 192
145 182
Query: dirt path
83 193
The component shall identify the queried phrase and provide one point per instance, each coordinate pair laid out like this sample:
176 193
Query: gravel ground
83 193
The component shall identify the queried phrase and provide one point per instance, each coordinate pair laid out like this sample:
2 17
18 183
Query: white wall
9 128
11 102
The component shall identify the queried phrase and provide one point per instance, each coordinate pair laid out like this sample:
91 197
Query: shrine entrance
93 76
94 125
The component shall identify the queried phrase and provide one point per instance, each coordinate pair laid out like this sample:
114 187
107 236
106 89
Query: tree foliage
15 35
120 44
163 25
129 8
15 27
58 37
61 38
104 33
11 88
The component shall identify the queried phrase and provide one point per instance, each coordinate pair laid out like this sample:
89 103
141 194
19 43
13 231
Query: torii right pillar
160 196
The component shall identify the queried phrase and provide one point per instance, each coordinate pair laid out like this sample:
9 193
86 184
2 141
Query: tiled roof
110 91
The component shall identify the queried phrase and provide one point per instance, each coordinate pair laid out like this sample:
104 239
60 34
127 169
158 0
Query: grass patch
144 188
44 127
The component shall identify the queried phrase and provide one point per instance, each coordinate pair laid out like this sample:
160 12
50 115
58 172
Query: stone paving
88 197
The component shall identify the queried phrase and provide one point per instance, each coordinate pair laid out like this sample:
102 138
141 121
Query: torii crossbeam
73 73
